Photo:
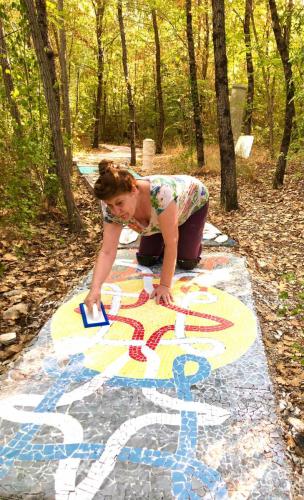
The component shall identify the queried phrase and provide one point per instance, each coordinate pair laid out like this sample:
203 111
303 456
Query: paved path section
165 402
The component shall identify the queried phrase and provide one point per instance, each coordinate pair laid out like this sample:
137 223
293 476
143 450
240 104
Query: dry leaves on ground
39 272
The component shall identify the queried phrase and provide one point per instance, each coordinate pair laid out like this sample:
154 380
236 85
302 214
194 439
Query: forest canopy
83 44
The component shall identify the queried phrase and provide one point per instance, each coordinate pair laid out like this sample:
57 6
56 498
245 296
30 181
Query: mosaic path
165 402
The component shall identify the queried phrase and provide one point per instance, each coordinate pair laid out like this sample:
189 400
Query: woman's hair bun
113 179
105 166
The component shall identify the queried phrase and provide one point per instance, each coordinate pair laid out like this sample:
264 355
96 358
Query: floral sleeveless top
189 194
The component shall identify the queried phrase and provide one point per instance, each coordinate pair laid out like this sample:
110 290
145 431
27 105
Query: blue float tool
96 318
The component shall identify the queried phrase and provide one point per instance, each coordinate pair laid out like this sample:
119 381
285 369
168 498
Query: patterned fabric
189 194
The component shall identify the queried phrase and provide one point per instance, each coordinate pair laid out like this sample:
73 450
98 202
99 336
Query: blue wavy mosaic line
183 463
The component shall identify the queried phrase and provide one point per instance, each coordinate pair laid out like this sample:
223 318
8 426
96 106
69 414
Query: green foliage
299 348
51 185
183 162
292 305
23 161
28 179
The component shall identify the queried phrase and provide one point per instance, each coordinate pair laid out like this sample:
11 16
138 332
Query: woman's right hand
92 298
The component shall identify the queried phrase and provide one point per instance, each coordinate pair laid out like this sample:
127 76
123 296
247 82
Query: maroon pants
189 241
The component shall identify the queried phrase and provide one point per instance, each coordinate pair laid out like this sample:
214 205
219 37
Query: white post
148 152
237 105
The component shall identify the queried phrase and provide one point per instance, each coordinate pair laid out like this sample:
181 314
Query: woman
169 211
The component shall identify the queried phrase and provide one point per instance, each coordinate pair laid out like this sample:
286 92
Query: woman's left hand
163 294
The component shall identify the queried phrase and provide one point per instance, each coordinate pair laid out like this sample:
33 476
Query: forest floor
37 273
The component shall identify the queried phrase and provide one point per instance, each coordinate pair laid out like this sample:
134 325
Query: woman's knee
147 260
188 264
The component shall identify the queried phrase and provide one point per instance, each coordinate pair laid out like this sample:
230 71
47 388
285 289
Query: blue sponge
98 318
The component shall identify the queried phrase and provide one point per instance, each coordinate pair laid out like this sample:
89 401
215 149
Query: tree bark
8 82
160 126
132 125
283 49
41 16
99 10
205 54
77 96
228 169
65 86
250 69
269 86
51 96
51 188
194 89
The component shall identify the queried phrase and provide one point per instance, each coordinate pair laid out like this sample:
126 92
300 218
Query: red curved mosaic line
222 324
142 299
138 334
135 352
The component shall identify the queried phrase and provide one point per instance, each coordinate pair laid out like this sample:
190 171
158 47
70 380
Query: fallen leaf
7 338
15 311
9 257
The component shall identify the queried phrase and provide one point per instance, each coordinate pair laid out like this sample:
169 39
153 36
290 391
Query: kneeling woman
169 211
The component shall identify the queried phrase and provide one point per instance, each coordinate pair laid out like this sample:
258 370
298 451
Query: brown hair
113 180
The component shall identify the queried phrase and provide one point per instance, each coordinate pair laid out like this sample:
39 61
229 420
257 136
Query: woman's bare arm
104 263
168 222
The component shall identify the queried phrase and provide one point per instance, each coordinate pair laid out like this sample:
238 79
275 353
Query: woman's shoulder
175 181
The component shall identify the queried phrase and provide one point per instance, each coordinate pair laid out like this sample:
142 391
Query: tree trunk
77 96
41 16
99 8
65 86
161 121
105 110
51 188
194 90
283 49
205 54
132 126
268 85
8 81
250 70
228 170
51 97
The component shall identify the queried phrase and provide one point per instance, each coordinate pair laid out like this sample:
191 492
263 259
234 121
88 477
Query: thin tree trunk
287 27
100 8
270 113
105 111
8 81
269 89
205 55
131 105
160 101
228 169
203 52
194 90
51 189
283 49
51 96
250 69
77 96
65 86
